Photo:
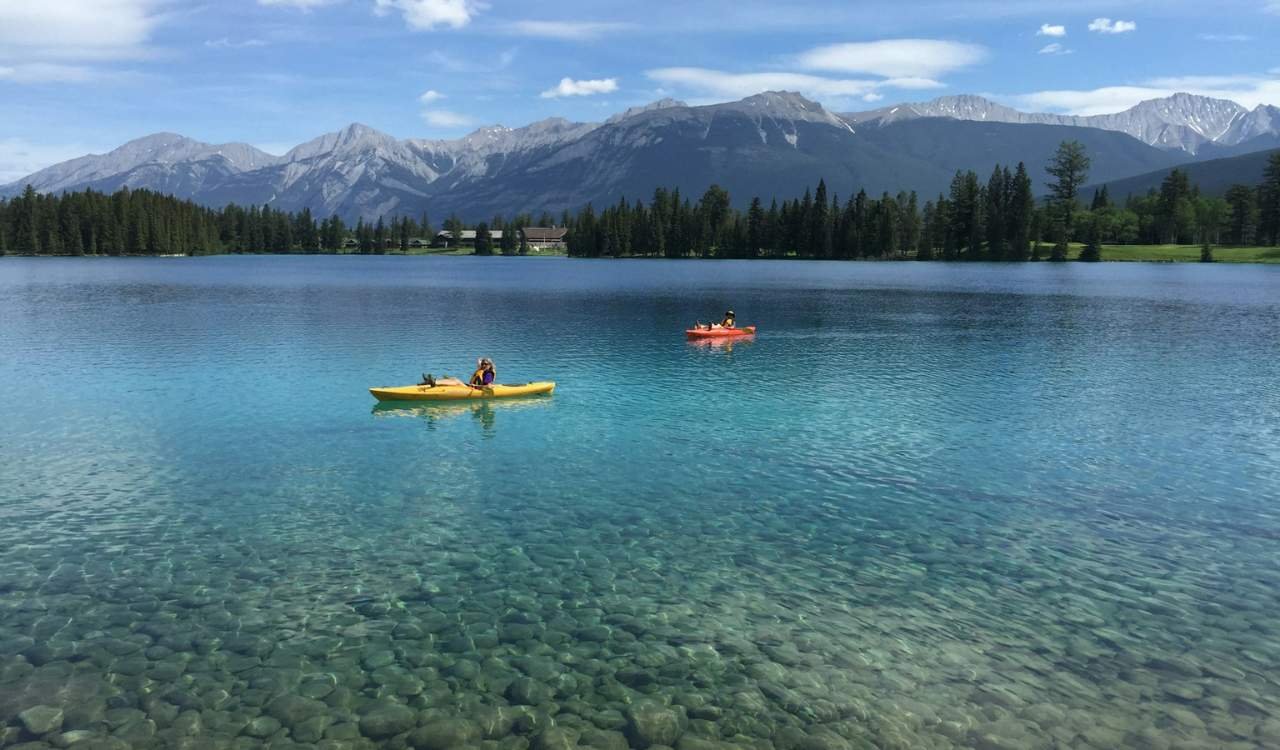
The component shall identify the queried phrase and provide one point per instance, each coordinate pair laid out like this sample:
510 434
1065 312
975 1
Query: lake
927 506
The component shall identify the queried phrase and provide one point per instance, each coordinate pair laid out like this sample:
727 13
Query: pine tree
1175 214
997 213
966 215
1069 169
508 243
1269 202
861 225
25 239
1092 251
911 224
925 251
755 228
1243 223
1022 206
484 242
818 229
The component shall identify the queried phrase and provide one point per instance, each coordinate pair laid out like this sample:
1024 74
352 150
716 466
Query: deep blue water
929 505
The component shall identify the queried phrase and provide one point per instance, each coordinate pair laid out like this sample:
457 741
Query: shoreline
1262 256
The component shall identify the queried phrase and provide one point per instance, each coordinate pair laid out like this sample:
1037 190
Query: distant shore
1110 253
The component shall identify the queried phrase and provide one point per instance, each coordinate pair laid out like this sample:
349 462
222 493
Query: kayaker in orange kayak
728 322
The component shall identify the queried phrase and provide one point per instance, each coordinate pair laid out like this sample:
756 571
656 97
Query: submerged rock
262 727
40 720
654 724
292 710
528 691
386 720
445 734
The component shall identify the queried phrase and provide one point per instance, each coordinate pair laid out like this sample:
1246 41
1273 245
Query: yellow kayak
459 392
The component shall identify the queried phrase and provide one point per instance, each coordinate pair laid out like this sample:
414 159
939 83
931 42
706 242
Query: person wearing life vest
484 375
729 321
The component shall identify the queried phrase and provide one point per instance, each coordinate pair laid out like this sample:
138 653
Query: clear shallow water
929 506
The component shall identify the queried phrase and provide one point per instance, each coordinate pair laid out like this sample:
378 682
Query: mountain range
1182 122
771 144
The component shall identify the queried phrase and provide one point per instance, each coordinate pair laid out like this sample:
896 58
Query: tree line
144 222
996 219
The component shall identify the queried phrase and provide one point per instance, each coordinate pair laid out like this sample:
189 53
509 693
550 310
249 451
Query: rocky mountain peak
783 105
667 103
355 137
780 101
1208 117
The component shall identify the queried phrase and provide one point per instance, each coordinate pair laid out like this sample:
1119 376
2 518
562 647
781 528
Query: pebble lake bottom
928 506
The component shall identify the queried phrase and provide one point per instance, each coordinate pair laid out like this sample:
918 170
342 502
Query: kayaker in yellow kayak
728 322
484 376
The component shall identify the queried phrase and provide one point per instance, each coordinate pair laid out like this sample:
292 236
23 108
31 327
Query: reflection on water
484 411
725 345
932 506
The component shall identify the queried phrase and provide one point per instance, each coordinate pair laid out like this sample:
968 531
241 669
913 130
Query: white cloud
894 58
33 73
43 30
1107 26
226 43
451 63
721 85
572 30
1054 49
1247 90
1052 30
443 118
872 97
1100 101
301 4
919 84
1273 7
425 15
570 87
19 158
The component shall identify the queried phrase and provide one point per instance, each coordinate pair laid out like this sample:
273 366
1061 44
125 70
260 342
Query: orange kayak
719 333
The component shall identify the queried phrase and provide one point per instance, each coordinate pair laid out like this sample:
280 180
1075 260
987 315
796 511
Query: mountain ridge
772 143
1182 121
1213 176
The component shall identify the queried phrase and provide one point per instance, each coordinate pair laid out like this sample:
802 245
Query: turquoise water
928 506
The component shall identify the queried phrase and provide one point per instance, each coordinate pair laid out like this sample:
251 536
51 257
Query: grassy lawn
1182 253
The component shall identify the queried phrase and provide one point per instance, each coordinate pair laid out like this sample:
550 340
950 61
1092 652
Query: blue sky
80 76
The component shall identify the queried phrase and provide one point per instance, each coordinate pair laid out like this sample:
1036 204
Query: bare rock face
1182 122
